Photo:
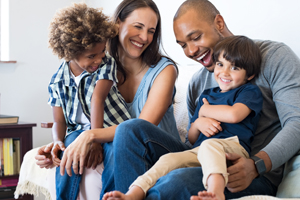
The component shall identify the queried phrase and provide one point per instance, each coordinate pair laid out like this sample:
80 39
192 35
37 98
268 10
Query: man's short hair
204 8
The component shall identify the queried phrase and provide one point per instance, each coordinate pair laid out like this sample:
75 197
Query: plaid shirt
64 93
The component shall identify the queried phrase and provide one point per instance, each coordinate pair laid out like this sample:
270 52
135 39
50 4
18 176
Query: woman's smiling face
136 32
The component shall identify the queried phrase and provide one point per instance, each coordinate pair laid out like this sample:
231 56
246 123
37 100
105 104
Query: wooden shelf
8 61
23 131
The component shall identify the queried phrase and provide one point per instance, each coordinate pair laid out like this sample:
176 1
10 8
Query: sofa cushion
180 107
289 187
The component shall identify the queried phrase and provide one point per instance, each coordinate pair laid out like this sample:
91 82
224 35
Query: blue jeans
185 182
137 145
67 187
108 183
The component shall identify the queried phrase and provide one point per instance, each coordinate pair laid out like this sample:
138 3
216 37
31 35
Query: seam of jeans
146 151
148 140
73 196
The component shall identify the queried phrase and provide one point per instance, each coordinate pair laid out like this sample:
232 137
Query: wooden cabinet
23 131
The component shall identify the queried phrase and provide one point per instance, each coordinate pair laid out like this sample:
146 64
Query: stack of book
8 119
9 156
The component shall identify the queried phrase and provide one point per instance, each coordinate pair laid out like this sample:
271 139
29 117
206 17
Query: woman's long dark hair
151 54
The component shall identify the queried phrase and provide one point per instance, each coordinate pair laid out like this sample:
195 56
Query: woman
144 76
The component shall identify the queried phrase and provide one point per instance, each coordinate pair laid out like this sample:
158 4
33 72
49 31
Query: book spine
11 159
16 164
18 150
5 160
1 158
9 182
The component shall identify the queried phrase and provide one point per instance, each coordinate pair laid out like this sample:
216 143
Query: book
10 156
5 157
16 156
9 182
8 119
1 158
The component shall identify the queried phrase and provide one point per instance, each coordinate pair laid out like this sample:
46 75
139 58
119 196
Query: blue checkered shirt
64 93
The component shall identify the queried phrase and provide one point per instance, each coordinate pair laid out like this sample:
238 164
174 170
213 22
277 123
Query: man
198 26
197 37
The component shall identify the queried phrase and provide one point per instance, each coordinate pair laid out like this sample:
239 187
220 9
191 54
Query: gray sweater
278 132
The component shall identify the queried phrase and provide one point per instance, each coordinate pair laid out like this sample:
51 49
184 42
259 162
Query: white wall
258 19
23 86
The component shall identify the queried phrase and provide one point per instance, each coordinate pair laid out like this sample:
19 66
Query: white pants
90 186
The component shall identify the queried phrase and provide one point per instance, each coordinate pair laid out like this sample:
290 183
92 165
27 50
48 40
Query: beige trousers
210 155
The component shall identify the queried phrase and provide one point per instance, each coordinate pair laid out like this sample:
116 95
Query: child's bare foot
204 195
135 193
114 195
195 197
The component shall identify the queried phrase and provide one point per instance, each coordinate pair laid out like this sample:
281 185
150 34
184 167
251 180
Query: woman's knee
133 128
132 124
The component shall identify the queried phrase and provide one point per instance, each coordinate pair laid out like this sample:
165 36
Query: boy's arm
58 133
225 113
100 93
193 133
206 126
102 88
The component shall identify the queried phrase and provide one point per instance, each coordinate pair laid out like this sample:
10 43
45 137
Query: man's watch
260 165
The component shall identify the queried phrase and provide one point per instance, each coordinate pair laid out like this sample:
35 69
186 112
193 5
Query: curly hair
77 28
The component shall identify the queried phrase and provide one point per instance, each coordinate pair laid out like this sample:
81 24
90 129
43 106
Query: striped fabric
64 93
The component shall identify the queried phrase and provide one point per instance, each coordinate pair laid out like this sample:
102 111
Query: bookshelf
23 131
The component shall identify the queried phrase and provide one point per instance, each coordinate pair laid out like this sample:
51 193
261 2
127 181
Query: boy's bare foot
135 193
204 195
114 195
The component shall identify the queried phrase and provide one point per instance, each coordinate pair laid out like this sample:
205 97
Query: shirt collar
67 74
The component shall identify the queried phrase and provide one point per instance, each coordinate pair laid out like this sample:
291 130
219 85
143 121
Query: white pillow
180 107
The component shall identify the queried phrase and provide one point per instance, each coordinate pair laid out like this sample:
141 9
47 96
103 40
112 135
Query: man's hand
94 156
43 157
241 173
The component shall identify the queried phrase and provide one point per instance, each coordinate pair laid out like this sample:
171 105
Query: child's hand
205 103
94 156
57 147
208 126
43 157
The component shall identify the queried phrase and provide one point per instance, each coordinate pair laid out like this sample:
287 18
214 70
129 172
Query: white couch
36 181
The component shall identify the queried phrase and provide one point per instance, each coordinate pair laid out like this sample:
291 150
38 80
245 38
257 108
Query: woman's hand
75 154
43 157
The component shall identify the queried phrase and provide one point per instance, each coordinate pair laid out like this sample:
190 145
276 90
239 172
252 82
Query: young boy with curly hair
224 122
83 93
